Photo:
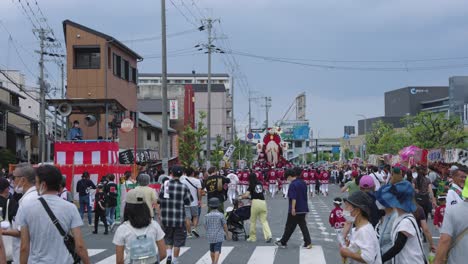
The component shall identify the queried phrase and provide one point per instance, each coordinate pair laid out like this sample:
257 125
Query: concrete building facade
149 96
101 67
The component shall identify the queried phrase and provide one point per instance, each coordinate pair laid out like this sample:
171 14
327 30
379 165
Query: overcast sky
307 30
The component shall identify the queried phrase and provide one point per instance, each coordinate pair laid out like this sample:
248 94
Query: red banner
83 152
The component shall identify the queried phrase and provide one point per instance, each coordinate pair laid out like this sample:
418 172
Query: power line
175 34
183 14
352 68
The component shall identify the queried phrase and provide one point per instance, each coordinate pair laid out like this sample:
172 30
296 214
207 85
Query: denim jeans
84 201
110 215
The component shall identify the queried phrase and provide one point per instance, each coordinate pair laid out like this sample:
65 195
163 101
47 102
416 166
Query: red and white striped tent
86 152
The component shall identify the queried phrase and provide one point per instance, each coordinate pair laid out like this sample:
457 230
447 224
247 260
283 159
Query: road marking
206 259
182 251
314 255
263 254
109 260
93 252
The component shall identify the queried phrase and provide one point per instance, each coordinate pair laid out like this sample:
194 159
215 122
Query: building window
156 136
122 69
298 144
34 129
178 81
134 75
155 81
148 135
14 100
3 120
87 58
188 81
127 70
117 65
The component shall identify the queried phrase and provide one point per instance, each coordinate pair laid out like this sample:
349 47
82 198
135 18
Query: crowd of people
384 218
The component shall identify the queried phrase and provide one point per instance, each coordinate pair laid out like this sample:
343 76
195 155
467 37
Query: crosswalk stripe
263 255
314 255
93 252
182 251
206 259
109 260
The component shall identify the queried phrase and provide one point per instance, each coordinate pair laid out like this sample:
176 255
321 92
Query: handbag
68 239
8 240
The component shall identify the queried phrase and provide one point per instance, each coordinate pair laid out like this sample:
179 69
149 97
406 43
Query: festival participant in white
232 187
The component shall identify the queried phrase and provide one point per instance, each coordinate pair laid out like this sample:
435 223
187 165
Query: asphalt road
325 245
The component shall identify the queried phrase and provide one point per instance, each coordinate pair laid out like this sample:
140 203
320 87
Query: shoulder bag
68 239
8 240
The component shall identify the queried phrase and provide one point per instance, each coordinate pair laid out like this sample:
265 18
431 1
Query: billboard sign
173 110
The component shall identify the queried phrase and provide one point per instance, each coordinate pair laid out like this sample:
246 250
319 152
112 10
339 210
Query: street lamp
365 132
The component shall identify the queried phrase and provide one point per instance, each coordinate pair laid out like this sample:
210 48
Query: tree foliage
218 153
243 151
426 130
433 130
191 143
6 157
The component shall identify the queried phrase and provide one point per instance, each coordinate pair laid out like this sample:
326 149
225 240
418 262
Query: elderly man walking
150 193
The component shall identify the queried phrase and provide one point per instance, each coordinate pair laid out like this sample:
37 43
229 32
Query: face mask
348 217
18 189
415 175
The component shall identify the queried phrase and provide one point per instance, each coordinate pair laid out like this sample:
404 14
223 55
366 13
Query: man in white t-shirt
191 212
454 194
453 234
24 178
41 241
232 186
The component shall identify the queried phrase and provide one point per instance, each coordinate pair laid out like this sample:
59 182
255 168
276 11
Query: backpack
142 249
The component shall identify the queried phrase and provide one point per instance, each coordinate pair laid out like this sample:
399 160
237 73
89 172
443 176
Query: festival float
270 150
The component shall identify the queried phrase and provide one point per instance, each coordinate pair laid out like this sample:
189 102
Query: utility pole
63 119
208 141
165 136
250 114
267 108
42 103
232 110
209 25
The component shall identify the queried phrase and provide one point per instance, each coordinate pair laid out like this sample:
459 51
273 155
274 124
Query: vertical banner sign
229 152
173 110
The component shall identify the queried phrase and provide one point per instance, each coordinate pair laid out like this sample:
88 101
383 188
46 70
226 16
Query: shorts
175 236
191 212
216 247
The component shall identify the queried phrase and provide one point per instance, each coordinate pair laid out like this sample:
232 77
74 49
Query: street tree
433 130
191 142
218 153
379 130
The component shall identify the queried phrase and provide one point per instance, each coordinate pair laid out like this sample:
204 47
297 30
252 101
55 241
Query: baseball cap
454 168
4 184
177 171
135 196
337 200
366 182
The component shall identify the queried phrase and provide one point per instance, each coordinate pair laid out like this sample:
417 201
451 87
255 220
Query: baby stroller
235 217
